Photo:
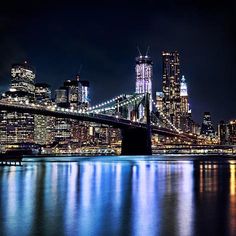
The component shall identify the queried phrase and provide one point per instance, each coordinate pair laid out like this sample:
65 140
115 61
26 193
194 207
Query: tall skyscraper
84 94
62 125
44 126
227 132
144 71
18 128
74 94
184 103
185 112
171 86
43 93
77 93
207 128
23 79
73 87
232 132
223 132
61 97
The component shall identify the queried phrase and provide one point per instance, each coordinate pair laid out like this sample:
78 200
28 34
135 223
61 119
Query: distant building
144 72
159 101
227 132
61 97
43 93
184 100
17 128
23 79
171 86
185 113
74 94
207 128
84 94
77 93
232 132
62 125
73 88
44 126
223 133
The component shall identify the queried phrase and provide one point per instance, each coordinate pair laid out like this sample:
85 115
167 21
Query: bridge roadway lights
136 141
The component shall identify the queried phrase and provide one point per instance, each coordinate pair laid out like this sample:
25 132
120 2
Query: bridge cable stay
166 119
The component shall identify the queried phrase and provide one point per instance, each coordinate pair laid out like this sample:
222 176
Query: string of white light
168 121
120 104
105 103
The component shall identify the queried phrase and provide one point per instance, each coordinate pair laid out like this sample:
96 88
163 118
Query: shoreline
169 157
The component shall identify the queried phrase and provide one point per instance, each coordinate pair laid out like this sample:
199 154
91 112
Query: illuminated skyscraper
42 93
23 79
223 132
62 125
184 103
227 132
84 94
186 122
159 101
171 86
61 97
232 132
18 128
144 72
207 128
44 126
74 94
77 93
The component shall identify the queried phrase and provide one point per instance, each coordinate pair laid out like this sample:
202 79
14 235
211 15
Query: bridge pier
136 141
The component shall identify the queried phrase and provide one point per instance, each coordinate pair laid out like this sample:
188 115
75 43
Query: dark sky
102 36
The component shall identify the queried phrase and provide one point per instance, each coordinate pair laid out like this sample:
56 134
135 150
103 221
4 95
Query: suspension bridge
121 112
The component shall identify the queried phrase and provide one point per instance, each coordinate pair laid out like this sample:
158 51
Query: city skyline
58 44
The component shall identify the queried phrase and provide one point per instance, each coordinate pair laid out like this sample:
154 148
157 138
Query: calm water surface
119 196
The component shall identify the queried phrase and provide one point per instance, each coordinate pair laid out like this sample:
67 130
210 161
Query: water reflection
117 197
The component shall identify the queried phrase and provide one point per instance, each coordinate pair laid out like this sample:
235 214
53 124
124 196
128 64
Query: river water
119 196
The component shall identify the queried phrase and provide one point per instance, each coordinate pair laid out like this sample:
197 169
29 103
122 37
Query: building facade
186 122
44 126
171 86
227 132
207 128
144 72
159 101
18 128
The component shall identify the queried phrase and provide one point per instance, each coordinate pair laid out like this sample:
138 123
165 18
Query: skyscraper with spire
186 122
184 103
144 71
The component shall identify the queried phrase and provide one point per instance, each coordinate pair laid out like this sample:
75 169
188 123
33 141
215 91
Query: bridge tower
137 141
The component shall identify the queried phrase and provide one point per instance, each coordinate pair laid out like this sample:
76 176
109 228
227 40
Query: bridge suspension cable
166 119
101 107
105 103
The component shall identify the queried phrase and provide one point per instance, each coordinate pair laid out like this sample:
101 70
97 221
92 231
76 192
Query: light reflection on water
115 196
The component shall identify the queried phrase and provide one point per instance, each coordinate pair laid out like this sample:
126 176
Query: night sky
100 39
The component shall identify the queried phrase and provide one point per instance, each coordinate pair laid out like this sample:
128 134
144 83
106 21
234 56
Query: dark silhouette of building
207 128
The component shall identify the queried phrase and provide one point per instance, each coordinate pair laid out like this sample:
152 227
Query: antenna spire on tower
148 48
140 54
